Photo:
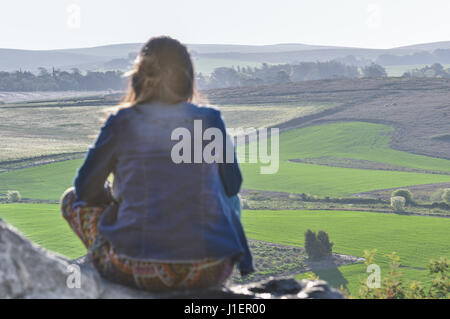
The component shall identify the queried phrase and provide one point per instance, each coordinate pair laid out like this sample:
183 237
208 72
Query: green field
347 140
355 140
43 224
41 182
416 239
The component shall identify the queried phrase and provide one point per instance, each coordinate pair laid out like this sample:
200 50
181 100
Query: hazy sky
51 24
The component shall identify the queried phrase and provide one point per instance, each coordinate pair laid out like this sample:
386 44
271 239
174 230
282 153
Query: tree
405 193
326 247
446 196
374 71
282 77
398 203
311 246
13 196
317 246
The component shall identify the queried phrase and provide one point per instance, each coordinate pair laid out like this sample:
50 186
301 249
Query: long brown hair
163 72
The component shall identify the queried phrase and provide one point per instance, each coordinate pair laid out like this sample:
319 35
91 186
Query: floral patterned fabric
145 275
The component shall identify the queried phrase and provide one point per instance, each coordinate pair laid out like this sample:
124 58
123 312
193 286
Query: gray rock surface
29 271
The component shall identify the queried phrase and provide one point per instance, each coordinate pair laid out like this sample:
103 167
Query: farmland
415 238
348 140
339 138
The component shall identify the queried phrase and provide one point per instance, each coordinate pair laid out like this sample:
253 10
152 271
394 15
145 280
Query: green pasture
416 239
354 140
44 225
347 140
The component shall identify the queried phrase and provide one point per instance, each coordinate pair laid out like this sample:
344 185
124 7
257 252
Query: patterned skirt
144 275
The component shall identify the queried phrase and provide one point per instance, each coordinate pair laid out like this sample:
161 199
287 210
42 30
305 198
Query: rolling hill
96 57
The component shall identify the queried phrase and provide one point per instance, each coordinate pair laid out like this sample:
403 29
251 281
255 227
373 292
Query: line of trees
274 74
434 71
56 80
424 57
223 77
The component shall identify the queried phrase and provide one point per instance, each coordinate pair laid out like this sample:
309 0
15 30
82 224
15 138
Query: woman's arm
230 173
98 164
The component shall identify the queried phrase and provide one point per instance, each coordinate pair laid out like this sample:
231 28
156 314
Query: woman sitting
165 224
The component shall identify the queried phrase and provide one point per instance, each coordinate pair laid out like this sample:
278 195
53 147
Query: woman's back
168 211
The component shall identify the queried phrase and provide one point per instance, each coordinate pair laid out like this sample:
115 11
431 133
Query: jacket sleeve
230 173
98 164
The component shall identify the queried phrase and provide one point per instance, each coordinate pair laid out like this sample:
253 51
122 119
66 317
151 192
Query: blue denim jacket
163 211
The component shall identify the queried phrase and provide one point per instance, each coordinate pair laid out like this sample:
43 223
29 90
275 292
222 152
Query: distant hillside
207 56
427 46
297 56
107 51
12 60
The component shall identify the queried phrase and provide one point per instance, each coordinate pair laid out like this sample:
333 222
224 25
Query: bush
256 196
437 195
398 203
326 247
13 196
446 195
394 286
295 197
405 193
319 246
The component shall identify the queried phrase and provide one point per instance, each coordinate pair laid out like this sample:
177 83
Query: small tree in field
405 193
398 203
13 196
311 244
317 246
446 195
326 247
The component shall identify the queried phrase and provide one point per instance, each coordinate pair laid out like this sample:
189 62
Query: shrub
405 193
317 246
311 244
13 196
256 196
326 247
394 286
295 197
398 203
437 195
446 195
